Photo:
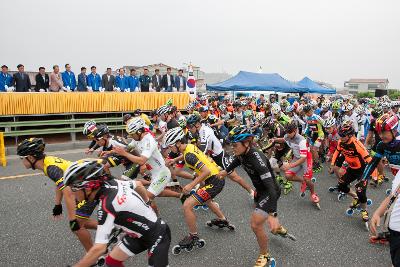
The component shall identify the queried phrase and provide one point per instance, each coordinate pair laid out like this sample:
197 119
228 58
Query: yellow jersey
54 168
195 159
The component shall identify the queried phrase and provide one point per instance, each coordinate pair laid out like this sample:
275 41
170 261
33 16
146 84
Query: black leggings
350 176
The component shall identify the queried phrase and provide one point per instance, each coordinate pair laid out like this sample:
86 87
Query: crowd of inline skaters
188 156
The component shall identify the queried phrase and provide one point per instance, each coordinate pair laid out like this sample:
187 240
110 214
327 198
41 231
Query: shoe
355 203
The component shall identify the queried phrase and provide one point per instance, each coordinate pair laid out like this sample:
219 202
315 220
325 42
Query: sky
330 41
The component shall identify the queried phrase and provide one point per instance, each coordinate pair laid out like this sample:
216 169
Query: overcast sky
331 41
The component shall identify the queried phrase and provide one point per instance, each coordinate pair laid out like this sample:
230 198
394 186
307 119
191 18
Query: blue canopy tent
250 81
314 87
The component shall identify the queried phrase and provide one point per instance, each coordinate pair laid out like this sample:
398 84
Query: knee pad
343 188
111 262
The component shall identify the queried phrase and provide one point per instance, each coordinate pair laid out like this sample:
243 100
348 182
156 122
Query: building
356 86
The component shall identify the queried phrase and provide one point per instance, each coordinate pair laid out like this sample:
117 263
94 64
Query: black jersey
120 205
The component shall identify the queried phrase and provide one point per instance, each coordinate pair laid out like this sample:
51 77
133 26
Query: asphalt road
29 236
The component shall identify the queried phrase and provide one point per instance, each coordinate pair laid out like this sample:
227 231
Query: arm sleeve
362 151
192 160
56 175
335 154
234 162
374 162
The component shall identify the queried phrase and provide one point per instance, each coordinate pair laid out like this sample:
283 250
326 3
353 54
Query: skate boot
282 232
374 181
381 238
354 206
317 167
381 178
279 179
315 200
188 243
287 187
365 218
386 179
220 223
264 260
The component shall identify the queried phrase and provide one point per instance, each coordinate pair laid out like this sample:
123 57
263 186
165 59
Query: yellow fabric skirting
76 102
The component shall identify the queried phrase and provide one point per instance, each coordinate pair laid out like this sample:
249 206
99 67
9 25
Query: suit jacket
156 85
41 83
22 82
82 84
108 85
178 81
164 82
56 82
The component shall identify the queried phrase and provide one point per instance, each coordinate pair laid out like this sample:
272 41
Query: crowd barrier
81 102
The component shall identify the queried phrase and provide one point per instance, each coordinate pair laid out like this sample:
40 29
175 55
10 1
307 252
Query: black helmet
192 119
101 131
346 128
291 126
203 109
137 112
84 174
307 108
31 147
127 117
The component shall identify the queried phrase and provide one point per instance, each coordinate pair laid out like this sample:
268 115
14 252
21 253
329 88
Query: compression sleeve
374 162
233 163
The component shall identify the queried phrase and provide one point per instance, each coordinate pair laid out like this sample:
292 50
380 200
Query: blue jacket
122 83
5 79
94 81
133 82
68 79
177 82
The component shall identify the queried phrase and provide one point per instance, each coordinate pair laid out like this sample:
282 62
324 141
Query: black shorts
213 186
84 209
394 242
157 246
279 154
339 160
352 174
262 201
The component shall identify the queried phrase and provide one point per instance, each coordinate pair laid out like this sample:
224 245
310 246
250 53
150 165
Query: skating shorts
157 246
213 186
180 164
159 180
304 169
84 209
263 205
280 154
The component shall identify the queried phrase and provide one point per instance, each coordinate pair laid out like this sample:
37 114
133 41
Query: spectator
133 81
68 78
180 81
6 80
22 82
156 81
122 82
261 100
168 81
82 80
42 81
56 83
108 81
145 81
94 81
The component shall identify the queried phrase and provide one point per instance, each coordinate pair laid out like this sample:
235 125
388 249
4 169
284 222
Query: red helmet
387 123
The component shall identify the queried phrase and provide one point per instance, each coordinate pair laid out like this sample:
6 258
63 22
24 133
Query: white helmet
222 107
163 110
134 125
313 103
329 122
88 126
347 107
276 109
182 121
360 110
326 104
173 136
300 108
386 104
260 116
82 172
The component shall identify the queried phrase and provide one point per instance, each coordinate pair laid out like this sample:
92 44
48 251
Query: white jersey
298 145
394 222
209 143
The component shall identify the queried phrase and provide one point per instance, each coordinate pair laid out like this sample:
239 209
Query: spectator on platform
22 82
122 81
42 81
133 81
260 100
145 81
168 82
156 81
68 78
56 83
108 81
82 80
6 80
94 81
180 81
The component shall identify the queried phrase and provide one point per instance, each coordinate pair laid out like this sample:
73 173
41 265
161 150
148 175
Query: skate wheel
101 261
349 212
272 262
176 250
205 207
201 243
291 237
196 207
189 248
340 197
313 180
388 191
303 194
367 226
231 227
209 224
369 202
331 189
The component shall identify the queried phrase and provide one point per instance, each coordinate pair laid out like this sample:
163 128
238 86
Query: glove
127 90
90 89
42 90
6 87
10 89
57 210
174 89
68 88
74 225
117 89
101 89
137 89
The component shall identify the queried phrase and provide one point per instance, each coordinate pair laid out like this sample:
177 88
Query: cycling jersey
389 150
195 160
356 155
54 168
314 126
333 139
284 119
298 144
209 143
257 166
